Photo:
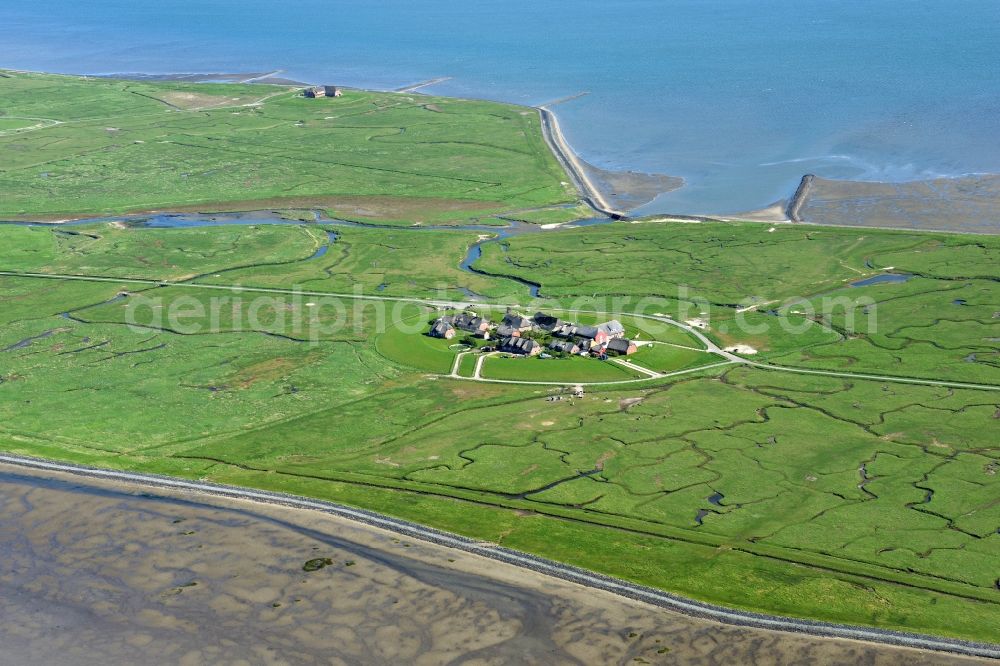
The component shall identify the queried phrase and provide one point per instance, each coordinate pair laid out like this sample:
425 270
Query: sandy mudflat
969 204
98 573
626 190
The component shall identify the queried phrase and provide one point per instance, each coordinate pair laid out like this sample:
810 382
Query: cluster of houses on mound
322 91
517 334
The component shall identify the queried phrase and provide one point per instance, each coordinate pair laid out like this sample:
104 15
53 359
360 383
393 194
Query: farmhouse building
546 322
442 329
591 334
613 329
569 338
564 346
622 346
522 346
505 331
564 330
516 321
469 322
332 91
447 327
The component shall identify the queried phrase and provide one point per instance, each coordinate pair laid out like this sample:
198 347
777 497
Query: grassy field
114 250
411 348
467 365
103 146
727 263
796 281
551 215
572 369
842 499
926 327
388 263
336 421
846 500
667 358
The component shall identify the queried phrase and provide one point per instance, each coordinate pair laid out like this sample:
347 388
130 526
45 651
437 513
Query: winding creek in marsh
488 233
102 572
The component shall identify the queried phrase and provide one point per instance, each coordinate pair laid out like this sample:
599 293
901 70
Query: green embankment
408 345
667 358
571 369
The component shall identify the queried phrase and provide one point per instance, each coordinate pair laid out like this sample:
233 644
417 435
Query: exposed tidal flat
970 204
101 572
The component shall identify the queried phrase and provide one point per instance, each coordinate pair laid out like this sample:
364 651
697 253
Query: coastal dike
568 159
794 210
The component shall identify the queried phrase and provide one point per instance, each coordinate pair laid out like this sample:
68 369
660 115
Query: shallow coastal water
738 97
883 278
100 573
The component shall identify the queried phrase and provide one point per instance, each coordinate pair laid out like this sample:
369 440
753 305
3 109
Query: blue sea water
740 97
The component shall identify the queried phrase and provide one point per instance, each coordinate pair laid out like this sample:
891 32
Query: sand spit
105 572
776 212
627 190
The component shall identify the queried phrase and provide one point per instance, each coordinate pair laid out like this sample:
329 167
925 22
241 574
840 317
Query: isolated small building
621 346
522 346
322 91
